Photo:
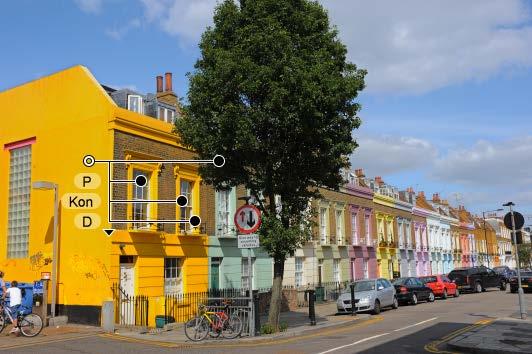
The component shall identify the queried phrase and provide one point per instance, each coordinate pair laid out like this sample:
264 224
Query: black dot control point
141 180
194 220
182 201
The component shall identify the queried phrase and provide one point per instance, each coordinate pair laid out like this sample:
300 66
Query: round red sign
247 219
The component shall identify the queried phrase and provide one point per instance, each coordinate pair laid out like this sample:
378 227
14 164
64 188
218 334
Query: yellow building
385 214
48 126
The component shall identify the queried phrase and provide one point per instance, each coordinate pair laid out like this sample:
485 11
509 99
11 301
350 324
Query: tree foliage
274 94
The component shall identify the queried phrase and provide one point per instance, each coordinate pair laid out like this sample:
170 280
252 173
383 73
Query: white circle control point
89 160
218 161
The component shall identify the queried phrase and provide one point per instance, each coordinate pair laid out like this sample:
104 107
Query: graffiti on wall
39 260
89 267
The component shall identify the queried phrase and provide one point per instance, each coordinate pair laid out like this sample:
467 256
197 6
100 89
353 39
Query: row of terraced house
366 229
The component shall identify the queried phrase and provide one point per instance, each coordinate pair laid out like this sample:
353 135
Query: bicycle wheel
232 327
2 321
196 329
30 325
215 326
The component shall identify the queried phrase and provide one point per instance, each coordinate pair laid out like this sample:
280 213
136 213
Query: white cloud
90 6
119 32
183 18
126 86
506 163
389 154
415 46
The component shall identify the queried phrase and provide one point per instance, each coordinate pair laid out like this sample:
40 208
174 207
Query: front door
215 273
127 293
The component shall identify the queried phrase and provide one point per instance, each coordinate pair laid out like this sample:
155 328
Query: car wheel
444 296
377 307
431 297
395 304
413 301
478 287
456 292
503 285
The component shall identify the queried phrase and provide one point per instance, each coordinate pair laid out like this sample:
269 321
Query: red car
441 285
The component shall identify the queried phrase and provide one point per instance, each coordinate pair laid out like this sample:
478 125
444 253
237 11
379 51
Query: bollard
353 305
108 316
256 311
311 309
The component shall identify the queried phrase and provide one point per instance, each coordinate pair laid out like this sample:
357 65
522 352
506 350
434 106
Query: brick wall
142 148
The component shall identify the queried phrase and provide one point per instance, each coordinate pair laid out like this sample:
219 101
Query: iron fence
130 310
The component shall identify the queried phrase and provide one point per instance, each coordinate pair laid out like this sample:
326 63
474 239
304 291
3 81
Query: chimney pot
436 197
359 172
422 194
159 83
168 82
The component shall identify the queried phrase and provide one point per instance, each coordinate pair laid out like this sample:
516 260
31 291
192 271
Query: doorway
127 289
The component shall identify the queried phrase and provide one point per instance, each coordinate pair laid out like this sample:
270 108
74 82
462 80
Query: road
410 329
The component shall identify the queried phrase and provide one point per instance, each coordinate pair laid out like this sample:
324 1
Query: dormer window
134 103
166 115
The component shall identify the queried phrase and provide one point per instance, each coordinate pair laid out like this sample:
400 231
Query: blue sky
447 106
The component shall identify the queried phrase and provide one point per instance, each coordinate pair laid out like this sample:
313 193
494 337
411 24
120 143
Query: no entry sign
247 219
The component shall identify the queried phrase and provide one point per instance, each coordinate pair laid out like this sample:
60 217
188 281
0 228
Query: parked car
441 285
411 290
506 272
526 282
370 295
477 279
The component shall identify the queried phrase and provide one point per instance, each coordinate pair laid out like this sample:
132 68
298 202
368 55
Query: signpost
514 221
247 221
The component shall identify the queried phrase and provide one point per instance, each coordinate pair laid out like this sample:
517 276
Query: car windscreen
399 281
526 274
364 285
426 280
499 269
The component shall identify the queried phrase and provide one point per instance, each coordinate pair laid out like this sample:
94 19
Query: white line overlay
355 343
415 324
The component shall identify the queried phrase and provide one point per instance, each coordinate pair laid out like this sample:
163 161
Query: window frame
299 271
150 172
189 174
141 103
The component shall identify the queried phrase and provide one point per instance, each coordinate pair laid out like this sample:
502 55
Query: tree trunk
277 293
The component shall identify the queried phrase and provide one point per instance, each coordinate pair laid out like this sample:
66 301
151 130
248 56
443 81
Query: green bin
161 320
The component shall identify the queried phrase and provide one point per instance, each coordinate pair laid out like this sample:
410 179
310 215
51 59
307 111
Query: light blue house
228 265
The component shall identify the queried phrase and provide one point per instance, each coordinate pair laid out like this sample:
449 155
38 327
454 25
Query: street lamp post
45 185
520 293
485 234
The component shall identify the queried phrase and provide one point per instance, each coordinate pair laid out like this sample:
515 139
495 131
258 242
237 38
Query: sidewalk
298 324
505 335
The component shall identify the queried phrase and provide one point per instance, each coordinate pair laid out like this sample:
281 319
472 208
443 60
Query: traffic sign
37 287
247 219
518 219
248 241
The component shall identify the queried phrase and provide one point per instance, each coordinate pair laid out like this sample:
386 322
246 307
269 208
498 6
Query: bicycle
29 325
213 323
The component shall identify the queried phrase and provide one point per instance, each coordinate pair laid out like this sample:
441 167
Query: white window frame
324 225
367 225
340 226
244 280
173 277
336 270
299 266
145 195
141 103
189 208
366 268
20 161
224 211
354 228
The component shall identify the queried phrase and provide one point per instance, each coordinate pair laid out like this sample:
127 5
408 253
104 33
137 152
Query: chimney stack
168 81
378 180
360 173
436 198
159 83
421 194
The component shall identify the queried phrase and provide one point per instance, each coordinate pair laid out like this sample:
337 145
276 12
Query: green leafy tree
274 94
525 255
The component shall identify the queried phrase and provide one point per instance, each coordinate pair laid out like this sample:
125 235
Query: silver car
370 295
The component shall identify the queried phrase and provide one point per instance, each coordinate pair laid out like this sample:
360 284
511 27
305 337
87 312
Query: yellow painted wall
71 116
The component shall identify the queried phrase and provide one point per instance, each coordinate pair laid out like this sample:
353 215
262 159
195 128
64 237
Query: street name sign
247 219
248 241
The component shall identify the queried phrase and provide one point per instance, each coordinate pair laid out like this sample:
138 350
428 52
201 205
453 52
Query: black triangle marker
108 232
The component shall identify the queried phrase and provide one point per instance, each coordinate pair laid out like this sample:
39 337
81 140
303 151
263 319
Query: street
410 329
